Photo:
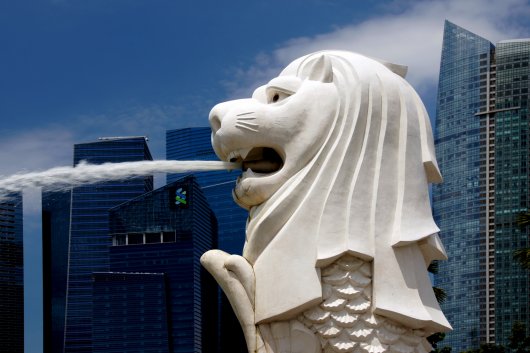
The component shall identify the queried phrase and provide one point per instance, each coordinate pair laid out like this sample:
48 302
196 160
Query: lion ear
400 70
321 70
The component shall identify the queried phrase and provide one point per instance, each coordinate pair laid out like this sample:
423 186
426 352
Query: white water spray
62 178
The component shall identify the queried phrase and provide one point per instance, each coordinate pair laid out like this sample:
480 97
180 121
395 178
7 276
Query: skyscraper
89 239
512 153
195 144
55 234
130 313
11 276
157 297
481 136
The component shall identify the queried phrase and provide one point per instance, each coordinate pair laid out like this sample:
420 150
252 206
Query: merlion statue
337 153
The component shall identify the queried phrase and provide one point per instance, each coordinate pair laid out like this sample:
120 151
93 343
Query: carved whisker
247 113
254 125
247 118
243 126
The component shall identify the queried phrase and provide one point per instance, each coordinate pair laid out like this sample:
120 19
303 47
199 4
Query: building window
135 238
120 239
169 237
152 238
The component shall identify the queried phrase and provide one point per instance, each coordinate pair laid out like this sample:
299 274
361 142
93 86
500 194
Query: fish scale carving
344 321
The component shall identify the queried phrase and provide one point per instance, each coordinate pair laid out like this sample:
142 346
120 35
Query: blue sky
75 70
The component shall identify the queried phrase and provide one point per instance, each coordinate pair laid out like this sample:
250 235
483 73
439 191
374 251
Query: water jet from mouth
62 178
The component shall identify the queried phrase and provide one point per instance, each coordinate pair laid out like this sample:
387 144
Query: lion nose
215 122
215 118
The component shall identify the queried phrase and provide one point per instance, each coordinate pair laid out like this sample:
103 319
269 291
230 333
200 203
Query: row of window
146 238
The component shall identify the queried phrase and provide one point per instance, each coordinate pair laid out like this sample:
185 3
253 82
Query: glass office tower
217 186
460 202
89 239
512 283
130 313
195 144
475 207
11 276
157 297
55 234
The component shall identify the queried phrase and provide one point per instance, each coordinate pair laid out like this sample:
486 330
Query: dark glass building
511 162
130 313
481 134
195 144
460 202
157 297
11 276
55 234
217 186
89 239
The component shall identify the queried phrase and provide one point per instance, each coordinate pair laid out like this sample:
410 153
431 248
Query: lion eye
277 96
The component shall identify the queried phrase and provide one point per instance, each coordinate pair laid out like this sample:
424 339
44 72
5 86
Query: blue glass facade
55 234
481 133
459 203
512 283
217 186
130 313
89 239
195 144
11 276
157 235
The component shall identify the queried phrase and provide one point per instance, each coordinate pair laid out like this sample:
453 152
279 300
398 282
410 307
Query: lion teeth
233 156
239 155
243 153
249 173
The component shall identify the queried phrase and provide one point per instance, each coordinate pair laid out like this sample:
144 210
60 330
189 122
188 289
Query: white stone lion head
338 153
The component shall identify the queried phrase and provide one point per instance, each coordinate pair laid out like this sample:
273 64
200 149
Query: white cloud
405 32
151 121
39 148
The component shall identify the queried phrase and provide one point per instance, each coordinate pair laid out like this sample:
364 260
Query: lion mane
364 193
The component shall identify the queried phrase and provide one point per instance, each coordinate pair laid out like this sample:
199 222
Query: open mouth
262 160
